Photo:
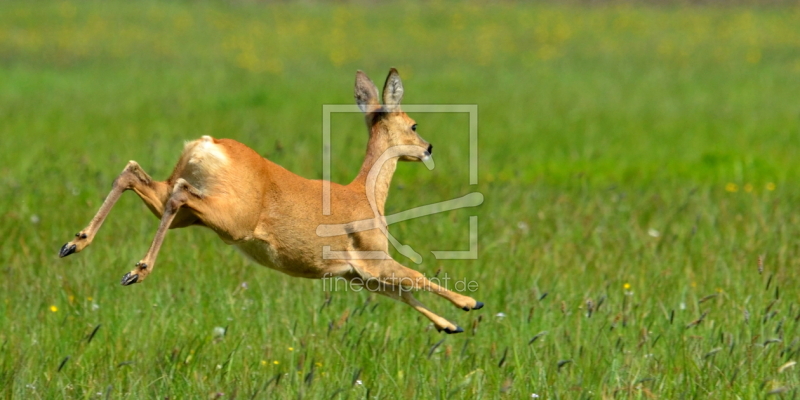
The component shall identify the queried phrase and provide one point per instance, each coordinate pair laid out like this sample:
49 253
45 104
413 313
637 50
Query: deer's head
388 125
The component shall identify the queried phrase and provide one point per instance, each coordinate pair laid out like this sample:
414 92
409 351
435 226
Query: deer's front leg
393 272
391 279
402 294
133 177
182 194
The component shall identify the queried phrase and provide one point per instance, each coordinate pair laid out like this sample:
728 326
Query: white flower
358 382
500 315
654 233
219 332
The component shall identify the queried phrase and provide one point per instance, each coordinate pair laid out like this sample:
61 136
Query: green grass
638 158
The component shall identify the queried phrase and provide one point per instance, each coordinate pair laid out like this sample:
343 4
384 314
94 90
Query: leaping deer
272 215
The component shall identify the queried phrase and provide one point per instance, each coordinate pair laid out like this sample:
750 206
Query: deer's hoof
478 306
67 249
129 279
450 331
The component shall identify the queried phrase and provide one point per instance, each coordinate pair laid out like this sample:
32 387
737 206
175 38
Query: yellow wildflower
732 187
53 308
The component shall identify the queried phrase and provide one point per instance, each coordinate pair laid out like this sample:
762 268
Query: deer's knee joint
123 182
182 186
131 165
135 169
175 202
130 175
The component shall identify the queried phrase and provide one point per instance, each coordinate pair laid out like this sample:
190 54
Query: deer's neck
377 171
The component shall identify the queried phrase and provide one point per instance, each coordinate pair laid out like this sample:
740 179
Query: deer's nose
430 149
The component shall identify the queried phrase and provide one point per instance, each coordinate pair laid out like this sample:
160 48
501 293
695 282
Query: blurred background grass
636 161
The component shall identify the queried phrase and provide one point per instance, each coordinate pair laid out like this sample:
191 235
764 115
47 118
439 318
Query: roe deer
272 215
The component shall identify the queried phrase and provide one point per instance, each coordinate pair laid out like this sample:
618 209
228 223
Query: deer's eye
414 127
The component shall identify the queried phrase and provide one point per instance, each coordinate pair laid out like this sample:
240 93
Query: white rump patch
206 161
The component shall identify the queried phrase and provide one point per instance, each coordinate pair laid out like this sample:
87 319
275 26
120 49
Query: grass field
636 161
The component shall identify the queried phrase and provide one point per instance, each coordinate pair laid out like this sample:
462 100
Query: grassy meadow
639 239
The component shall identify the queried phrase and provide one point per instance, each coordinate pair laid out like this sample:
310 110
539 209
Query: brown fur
272 215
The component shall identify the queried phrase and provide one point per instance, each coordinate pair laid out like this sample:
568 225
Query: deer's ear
366 93
392 90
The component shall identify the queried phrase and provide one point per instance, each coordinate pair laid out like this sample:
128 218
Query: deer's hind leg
153 193
182 194
186 203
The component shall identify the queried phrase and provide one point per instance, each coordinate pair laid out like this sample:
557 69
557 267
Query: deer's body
272 215
276 212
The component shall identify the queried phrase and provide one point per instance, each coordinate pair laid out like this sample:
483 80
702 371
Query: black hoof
129 279
66 250
450 331
478 306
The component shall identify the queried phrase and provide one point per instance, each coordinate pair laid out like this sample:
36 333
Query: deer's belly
265 254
